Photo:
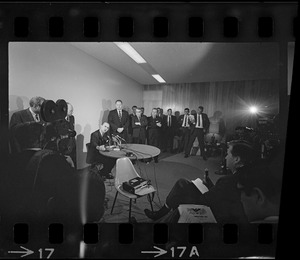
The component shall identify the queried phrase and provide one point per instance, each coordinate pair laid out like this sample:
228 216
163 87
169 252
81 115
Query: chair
125 171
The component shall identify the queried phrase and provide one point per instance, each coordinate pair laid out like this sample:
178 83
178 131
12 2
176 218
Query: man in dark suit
223 198
184 123
31 114
119 121
169 127
139 123
198 129
161 141
154 126
71 123
99 139
130 123
70 118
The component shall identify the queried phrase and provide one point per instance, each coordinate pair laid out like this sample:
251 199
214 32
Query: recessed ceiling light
158 78
131 52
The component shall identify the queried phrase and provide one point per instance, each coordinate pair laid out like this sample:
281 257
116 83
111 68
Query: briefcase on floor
135 185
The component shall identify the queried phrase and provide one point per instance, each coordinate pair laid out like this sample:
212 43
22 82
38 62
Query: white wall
61 71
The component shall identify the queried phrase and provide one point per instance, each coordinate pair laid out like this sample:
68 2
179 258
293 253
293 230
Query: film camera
57 133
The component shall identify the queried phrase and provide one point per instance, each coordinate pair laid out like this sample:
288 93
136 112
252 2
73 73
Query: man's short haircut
134 107
36 101
187 109
154 108
244 150
201 107
119 100
260 176
169 109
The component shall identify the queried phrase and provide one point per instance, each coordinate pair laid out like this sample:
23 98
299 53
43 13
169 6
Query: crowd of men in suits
160 129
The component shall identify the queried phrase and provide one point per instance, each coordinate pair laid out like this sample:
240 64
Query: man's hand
120 129
100 148
158 124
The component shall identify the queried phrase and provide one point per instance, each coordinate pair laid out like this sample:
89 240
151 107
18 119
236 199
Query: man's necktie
120 115
169 120
184 121
37 119
198 120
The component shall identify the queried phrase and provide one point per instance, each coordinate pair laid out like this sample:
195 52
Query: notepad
200 186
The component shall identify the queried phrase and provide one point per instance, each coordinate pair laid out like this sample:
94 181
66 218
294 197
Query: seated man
99 139
260 195
223 198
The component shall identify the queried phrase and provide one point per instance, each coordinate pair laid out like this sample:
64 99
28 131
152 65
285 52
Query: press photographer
39 187
30 114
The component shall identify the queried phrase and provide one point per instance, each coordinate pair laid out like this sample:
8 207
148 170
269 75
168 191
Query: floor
163 175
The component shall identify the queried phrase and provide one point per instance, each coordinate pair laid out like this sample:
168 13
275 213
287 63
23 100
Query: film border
66 22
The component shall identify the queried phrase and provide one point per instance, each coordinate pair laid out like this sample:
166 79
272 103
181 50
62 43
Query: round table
138 151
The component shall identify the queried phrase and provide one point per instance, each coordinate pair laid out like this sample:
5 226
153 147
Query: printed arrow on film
26 252
159 252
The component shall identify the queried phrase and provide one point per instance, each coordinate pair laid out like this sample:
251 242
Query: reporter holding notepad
223 198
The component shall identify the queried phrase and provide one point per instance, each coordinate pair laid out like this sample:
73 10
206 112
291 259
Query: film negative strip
211 56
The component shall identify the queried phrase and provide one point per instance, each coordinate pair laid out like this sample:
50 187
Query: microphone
206 172
121 138
115 139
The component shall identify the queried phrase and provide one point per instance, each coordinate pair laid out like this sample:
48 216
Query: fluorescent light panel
158 78
130 51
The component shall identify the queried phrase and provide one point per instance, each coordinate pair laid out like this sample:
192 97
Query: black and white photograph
142 133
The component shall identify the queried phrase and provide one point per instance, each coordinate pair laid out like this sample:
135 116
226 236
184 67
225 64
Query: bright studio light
253 110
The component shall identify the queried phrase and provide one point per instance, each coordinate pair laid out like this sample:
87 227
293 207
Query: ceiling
173 61
188 62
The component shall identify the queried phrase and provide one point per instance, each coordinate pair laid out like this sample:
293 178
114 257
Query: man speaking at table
99 139
119 121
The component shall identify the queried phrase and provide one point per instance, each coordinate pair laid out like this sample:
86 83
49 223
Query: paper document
199 184
190 213
145 190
